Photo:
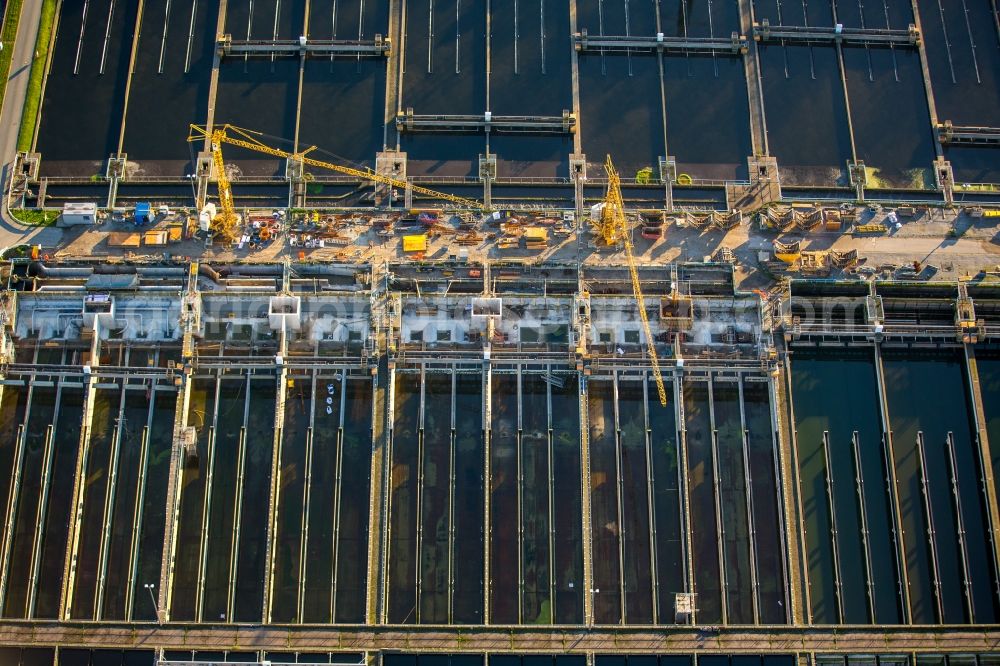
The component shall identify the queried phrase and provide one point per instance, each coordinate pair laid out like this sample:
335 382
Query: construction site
510 333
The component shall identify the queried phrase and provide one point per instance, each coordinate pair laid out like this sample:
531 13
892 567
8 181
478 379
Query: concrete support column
177 456
213 85
296 175
682 487
578 173
117 163
392 164
115 173
394 73
487 475
944 179
378 518
487 174
783 424
755 92
575 71
583 374
190 322
76 496
275 485
668 176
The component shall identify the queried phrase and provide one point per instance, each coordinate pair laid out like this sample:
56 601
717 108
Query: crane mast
247 140
611 227
225 223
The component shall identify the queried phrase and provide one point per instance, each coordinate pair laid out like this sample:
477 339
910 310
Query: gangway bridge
378 47
735 44
407 121
838 34
967 135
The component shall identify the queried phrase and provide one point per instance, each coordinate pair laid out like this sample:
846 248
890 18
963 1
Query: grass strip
36 80
7 36
33 217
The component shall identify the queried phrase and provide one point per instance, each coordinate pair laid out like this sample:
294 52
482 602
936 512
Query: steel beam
765 32
736 44
379 47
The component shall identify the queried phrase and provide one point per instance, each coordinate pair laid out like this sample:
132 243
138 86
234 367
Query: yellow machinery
415 243
225 225
612 227
221 135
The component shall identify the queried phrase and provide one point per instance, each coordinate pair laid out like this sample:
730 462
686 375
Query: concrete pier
394 72
575 87
684 492
926 73
190 322
755 91
585 486
857 174
800 610
985 458
378 544
137 29
213 84
275 485
76 497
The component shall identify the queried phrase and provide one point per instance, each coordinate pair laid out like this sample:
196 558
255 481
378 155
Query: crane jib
221 135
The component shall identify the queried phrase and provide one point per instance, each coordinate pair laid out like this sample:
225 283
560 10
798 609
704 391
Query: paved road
12 233
524 639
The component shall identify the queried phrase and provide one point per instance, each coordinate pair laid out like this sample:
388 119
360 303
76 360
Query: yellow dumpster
155 238
415 243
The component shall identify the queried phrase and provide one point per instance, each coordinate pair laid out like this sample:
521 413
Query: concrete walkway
11 231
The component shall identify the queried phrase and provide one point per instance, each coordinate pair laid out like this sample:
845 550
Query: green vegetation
917 179
33 98
34 217
16 252
976 187
7 36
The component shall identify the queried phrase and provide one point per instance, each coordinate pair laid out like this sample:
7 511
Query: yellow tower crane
225 225
246 139
612 228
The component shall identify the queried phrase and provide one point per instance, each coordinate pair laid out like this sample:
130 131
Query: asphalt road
11 232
